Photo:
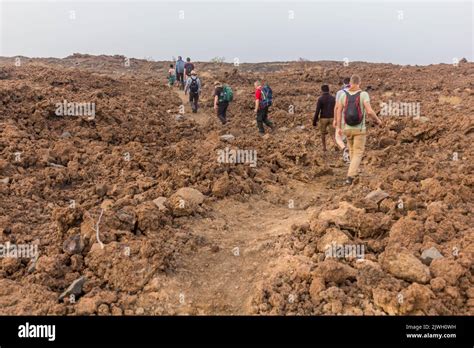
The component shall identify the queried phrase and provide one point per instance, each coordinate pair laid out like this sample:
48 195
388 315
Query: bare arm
215 101
337 115
371 113
257 104
316 114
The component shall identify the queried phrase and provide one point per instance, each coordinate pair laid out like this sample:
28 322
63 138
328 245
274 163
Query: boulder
106 204
406 232
73 245
227 137
185 201
221 186
436 210
346 216
422 119
149 217
101 189
333 236
87 306
317 286
74 289
433 188
190 195
334 271
429 255
387 300
65 134
160 203
387 141
448 269
377 196
373 225
404 265
416 299
438 284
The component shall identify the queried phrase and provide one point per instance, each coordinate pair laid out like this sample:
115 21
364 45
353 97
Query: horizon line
146 59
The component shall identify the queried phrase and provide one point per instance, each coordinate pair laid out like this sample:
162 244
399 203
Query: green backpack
228 95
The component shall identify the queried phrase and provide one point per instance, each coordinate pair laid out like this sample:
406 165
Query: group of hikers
185 76
342 116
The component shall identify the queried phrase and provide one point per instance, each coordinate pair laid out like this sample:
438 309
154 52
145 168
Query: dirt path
201 117
222 277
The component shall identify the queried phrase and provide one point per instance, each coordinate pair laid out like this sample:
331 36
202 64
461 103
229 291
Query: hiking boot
345 155
349 180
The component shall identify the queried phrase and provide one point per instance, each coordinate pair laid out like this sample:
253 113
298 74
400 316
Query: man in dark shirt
325 114
188 68
220 104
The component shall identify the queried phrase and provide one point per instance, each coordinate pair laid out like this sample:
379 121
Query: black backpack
194 87
353 114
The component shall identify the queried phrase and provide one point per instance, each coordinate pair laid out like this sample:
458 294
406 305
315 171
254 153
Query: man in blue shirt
180 71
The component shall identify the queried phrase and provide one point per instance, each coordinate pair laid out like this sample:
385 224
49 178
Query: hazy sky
404 32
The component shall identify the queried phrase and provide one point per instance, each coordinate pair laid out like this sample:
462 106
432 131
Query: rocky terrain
133 213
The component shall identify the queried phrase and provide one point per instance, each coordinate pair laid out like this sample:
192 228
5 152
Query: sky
399 32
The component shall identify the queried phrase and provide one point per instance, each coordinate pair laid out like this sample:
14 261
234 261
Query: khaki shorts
325 124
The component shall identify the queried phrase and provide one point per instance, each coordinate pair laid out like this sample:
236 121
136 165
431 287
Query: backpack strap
360 109
347 99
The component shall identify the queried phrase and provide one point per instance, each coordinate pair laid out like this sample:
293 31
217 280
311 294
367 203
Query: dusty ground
253 240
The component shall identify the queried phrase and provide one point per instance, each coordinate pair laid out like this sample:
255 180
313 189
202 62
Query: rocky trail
200 218
201 116
222 277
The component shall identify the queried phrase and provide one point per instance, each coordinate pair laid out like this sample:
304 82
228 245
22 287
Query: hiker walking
350 121
325 114
193 86
171 76
180 71
223 95
346 83
263 101
341 139
188 68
